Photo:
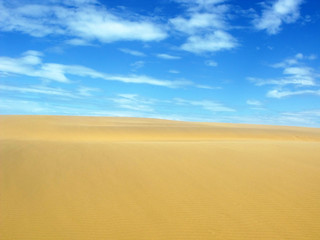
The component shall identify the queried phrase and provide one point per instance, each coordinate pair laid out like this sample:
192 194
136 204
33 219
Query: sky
233 61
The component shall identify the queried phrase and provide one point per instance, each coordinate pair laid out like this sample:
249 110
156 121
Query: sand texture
74 178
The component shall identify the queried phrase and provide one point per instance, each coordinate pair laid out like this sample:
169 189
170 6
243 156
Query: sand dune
129 178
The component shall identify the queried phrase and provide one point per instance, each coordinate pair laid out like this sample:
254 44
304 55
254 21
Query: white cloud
101 25
38 90
305 118
78 42
149 107
297 71
253 102
82 21
198 21
167 56
280 94
148 80
17 106
132 52
81 91
283 82
133 102
292 79
312 57
308 118
12 106
30 64
280 12
205 25
205 104
295 60
174 71
217 41
296 78
207 87
294 73
86 91
198 5
136 65
211 63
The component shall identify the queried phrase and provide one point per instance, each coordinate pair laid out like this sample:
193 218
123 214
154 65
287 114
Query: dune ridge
64 177
122 129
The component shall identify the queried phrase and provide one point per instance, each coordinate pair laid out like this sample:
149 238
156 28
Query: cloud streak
253 102
205 104
133 102
167 56
211 63
31 64
281 94
132 52
39 90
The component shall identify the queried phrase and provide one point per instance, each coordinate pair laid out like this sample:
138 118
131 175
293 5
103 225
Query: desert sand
64 177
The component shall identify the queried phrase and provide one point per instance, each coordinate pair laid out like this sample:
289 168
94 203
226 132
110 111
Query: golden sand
129 178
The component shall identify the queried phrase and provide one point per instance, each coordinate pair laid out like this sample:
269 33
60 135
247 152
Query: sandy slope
123 178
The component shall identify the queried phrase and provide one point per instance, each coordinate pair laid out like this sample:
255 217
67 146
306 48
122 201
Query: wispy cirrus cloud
253 102
278 13
132 52
134 102
167 56
79 92
307 118
87 91
136 65
31 64
295 60
297 78
142 79
150 105
79 42
12 106
208 87
294 72
283 93
196 5
174 71
211 63
81 21
205 104
38 90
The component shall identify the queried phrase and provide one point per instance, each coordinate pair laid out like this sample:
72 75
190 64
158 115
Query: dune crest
65 177
70 128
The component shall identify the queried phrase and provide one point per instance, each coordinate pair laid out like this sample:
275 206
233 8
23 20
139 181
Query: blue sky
202 60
